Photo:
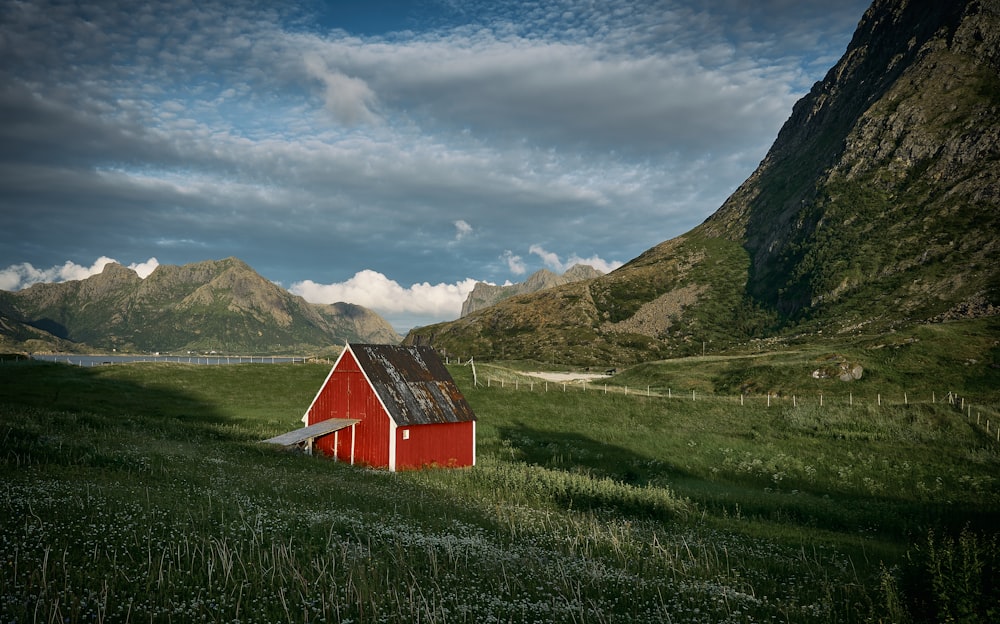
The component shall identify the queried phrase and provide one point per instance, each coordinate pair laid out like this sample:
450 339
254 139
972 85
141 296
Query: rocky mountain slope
484 295
222 305
875 208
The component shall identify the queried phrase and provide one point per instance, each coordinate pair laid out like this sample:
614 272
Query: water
100 360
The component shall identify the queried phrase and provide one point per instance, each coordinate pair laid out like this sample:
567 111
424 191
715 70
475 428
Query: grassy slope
140 491
662 304
923 362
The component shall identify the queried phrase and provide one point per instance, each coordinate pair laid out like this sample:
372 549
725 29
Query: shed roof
321 428
412 383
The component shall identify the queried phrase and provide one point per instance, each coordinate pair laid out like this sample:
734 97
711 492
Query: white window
406 434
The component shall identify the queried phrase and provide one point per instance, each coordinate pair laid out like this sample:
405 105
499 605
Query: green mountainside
222 306
876 208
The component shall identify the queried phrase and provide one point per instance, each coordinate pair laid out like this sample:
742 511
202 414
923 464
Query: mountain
878 201
354 323
219 305
875 208
484 295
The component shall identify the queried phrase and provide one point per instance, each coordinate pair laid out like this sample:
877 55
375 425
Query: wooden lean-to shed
395 407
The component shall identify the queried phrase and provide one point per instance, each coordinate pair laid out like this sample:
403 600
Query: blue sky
387 153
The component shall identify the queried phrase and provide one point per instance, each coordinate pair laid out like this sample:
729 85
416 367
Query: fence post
741 398
905 401
769 399
850 398
793 401
879 396
821 399
692 395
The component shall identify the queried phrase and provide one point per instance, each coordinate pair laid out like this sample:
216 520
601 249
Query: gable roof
412 383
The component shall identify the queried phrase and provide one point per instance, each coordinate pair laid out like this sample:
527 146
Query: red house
392 406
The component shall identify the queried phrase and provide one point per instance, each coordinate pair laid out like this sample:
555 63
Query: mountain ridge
221 305
484 295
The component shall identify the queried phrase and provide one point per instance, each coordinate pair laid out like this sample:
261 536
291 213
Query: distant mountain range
222 306
877 207
484 295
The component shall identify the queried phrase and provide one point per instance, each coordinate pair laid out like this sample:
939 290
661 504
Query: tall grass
141 493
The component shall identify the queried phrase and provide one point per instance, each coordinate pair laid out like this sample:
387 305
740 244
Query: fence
103 360
990 423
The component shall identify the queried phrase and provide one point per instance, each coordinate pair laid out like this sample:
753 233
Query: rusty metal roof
413 384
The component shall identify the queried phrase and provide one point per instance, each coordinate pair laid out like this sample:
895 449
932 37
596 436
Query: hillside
874 209
877 203
484 295
220 305
141 492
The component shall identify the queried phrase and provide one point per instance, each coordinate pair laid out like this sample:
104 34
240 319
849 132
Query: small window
406 434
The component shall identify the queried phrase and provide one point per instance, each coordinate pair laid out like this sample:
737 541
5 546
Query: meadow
141 492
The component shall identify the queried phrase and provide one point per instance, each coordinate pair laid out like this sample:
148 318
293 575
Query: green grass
141 493
922 363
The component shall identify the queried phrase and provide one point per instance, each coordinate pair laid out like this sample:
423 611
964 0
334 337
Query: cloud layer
18 276
443 143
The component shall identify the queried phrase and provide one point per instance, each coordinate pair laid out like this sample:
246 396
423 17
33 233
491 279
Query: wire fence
985 418
214 360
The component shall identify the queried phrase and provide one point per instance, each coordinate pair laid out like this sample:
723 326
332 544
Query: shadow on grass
894 516
58 414
574 452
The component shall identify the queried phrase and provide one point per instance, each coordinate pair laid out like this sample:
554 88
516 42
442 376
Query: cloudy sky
386 153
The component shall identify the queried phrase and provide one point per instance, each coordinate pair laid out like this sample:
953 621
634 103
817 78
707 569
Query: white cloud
19 276
568 93
553 261
462 229
143 269
514 262
598 263
374 290
350 100
549 258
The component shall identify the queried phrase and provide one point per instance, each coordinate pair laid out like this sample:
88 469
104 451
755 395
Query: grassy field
142 493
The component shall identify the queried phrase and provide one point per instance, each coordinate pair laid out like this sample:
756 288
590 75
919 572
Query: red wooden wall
347 394
441 444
